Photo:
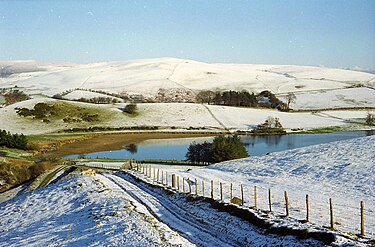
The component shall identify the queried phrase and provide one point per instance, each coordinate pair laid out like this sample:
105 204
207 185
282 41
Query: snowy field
147 76
328 99
78 94
341 170
181 116
315 88
81 211
114 210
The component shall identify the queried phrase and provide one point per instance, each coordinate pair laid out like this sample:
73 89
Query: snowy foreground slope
341 170
114 210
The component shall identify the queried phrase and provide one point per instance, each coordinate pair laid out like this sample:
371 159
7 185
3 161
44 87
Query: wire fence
352 217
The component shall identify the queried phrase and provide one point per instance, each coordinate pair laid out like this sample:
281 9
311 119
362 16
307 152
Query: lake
175 149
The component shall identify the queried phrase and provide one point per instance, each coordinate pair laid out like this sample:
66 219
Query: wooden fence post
286 203
307 208
196 186
203 188
166 178
331 212
69 228
174 181
255 196
178 183
242 197
221 191
162 177
212 189
362 218
157 175
270 199
183 184
231 192
189 185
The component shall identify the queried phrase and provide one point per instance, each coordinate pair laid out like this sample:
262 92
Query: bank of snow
81 211
341 170
114 210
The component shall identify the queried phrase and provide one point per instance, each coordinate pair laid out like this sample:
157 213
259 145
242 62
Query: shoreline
115 141
105 141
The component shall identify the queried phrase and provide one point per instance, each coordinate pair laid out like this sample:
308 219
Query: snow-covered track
177 218
197 221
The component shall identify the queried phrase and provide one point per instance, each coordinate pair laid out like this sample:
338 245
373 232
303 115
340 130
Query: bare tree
291 98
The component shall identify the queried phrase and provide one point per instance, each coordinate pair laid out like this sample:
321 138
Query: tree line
221 149
12 140
240 98
40 111
14 97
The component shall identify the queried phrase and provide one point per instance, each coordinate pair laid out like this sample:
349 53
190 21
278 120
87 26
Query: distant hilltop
147 76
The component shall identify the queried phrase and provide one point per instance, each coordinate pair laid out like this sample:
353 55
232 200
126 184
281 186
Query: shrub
40 111
15 96
227 148
222 148
199 152
270 126
130 108
370 119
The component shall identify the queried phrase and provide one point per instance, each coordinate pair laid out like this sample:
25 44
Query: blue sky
332 33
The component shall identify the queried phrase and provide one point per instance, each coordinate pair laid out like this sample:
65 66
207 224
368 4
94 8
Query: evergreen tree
12 140
222 148
227 148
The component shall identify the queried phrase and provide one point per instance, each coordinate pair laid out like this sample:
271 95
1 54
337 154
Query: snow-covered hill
114 210
180 116
149 75
341 170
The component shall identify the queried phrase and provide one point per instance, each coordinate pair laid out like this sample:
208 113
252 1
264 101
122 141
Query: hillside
113 210
339 170
147 76
171 117
116 209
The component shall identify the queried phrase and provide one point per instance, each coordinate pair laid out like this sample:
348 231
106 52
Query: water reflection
132 148
370 132
170 149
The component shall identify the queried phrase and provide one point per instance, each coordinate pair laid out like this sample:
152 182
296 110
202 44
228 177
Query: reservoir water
175 149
